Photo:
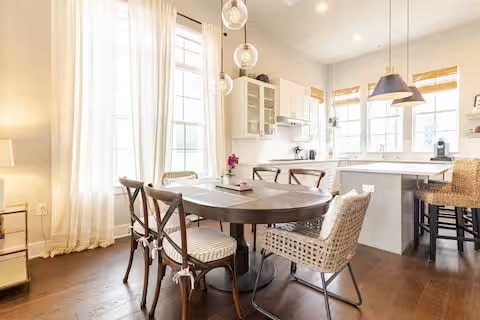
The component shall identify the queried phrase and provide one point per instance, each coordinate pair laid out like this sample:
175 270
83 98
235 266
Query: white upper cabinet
291 99
254 108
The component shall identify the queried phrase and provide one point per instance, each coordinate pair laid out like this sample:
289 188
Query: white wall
455 47
25 103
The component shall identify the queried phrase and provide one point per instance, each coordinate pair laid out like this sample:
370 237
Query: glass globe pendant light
416 98
223 84
234 14
245 55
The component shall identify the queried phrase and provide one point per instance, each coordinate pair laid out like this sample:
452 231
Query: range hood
290 122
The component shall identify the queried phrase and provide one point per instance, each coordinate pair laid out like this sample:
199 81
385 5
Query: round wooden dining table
265 203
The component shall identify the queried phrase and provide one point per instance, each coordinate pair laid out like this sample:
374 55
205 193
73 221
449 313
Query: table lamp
6 160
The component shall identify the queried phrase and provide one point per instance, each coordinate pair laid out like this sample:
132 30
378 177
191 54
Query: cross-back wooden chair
140 228
256 175
191 253
293 173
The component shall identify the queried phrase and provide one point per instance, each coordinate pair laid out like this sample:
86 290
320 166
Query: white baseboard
35 248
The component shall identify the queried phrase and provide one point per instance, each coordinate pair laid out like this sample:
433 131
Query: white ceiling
328 37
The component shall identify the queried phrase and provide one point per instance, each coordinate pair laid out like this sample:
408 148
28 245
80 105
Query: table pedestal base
220 279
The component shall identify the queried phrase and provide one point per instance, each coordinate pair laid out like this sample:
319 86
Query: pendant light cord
390 40
408 40
221 35
245 28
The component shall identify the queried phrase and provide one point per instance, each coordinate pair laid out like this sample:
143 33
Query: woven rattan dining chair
305 247
463 193
191 253
256 175
294 173
143 228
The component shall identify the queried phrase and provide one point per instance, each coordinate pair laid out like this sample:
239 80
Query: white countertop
417 169
289 162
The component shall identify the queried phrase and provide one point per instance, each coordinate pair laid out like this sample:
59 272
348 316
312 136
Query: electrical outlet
41 209
368 188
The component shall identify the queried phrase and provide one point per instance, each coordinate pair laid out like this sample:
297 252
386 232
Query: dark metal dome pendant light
391 85
416 98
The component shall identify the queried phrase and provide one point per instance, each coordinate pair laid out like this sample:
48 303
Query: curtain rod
187 17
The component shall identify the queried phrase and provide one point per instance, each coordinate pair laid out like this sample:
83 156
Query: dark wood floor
88 285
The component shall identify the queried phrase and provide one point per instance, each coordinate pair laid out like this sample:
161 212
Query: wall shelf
473 116
473 134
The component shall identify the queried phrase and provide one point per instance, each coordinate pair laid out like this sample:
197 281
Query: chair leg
160 275
460 228
146 254
476 226
293 269
254 229
433 211
184 282
133 247
235 297
255 305
325 295
416 222
422 217
221 226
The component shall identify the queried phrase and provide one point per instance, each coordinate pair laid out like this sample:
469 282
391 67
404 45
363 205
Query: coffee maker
441 151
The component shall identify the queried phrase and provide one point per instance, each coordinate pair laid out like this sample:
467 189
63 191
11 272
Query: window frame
347 98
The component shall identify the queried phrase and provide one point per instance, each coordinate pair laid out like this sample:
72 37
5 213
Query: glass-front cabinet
254 108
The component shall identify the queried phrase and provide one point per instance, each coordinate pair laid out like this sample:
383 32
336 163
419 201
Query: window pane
424 142
353 128
179 82
193 59
446 100
192 85
376 141
178 160
179 136
376 109
425 122
178 109
354 112
125 166
393 125
391 143
341 113
194 111
195 161
429 106
195 136
377 126
447 121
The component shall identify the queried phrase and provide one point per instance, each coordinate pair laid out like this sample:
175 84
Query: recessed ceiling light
357 37
322 6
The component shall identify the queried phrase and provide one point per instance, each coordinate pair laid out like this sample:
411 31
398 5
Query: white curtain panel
212 36
83 74
152 51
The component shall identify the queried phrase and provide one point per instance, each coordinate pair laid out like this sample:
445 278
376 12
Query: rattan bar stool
143 228
324 253
256 175
463 193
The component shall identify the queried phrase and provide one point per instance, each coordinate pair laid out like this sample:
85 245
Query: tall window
124 156
384 125
438 118
189 149
348 129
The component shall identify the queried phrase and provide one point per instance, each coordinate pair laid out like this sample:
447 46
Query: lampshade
391 86
414 100
6 153
223 84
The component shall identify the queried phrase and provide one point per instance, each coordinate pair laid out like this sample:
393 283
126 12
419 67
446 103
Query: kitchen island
389 221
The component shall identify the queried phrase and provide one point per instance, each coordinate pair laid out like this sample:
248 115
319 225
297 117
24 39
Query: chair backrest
341 244
136 195
466 176
256 172
293 173
168 177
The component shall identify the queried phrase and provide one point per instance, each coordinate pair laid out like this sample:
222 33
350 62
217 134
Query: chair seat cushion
173 224
204 244
444 195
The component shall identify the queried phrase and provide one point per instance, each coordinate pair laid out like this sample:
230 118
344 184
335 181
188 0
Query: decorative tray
236 187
